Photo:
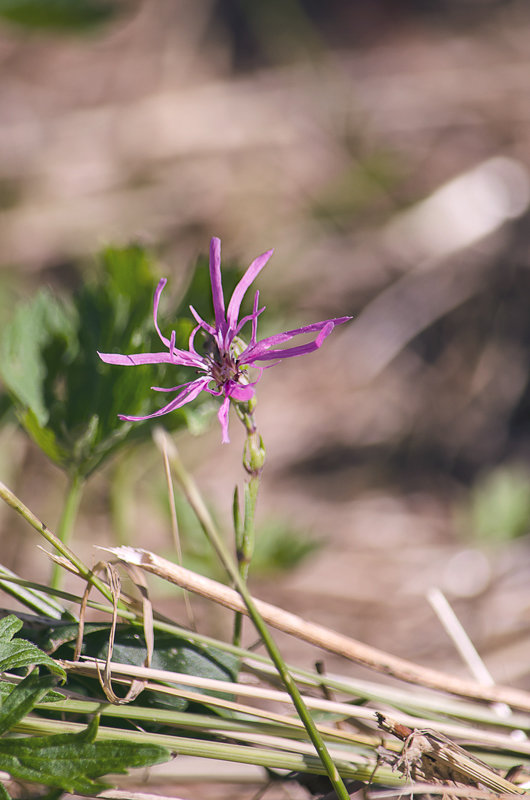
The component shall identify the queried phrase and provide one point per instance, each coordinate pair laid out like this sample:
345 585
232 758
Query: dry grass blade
423 788
457 633
114 583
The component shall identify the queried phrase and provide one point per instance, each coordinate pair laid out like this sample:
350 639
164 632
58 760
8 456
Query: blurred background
383 150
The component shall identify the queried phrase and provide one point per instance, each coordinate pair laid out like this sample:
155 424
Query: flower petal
190 393
240 393
172 388
299 350
156 300
261 350
239 292
255 314
222 416
181 357
254 317
191 341
217 285
278 338
201 323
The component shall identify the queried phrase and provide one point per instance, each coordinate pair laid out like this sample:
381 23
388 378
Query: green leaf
51 635
44 437
50 696
9 626
57 15
23 697
43 323
171 653
19 653
73 762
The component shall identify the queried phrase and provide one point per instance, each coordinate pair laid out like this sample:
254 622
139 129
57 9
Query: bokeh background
383 150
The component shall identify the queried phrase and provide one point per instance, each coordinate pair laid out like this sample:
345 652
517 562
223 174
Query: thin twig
455 630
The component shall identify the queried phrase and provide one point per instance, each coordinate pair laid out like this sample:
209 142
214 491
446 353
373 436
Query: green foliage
171 653
74 761
18 653
62 16
498 508
22 698
49 697
71 762
65 397
44 323
279 547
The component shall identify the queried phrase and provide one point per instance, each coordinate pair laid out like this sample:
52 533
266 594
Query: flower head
223 368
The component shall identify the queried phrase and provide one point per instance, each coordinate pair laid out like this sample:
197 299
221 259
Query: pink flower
224 367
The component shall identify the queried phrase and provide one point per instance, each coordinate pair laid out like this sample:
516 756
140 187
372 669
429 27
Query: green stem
225 751
249 529
253 462
66 523
119 486
245 537
195 500
85 573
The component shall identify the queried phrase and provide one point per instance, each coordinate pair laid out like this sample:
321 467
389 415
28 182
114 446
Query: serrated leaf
50 696
19 653
74 762
23 697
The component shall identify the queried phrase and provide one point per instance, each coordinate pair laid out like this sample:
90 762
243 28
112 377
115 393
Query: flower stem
195 500
253 462
66 523
245 536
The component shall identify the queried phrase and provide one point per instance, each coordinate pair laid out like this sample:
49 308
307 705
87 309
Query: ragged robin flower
224 366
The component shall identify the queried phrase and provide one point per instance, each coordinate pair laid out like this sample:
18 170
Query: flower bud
254 454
